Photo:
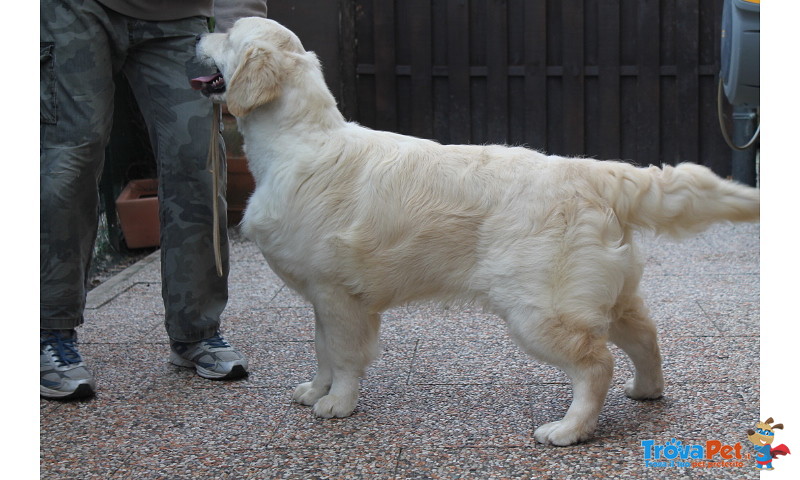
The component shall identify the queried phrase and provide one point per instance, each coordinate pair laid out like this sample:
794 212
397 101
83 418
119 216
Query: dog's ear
779 426
255 82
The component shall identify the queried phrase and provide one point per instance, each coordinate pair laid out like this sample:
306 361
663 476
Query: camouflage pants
83 45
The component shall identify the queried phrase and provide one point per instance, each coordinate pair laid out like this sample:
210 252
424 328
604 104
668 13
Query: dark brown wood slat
536 74
686 59
554 124
647 89
421 65
385 61
608 56
668 92
627 83
364 85
477 59
347 65
714 152
458 71
440 84
572 81
550 71
516 83
497 77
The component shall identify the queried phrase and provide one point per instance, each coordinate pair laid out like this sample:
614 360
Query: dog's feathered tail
676 200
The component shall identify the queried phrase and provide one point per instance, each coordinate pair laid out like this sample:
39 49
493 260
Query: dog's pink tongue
200 82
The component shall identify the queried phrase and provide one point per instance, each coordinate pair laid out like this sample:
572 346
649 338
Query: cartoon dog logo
762 439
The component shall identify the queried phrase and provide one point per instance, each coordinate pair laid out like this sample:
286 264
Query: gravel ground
450 396
108 262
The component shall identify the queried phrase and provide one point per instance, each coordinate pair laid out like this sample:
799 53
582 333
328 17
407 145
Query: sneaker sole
84 390
237 371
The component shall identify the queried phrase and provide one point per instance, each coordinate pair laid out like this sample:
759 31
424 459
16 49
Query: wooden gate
612 79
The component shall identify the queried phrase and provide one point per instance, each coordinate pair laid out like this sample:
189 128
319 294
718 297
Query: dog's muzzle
209 84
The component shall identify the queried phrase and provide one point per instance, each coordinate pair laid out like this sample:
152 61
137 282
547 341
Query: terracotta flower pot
137 207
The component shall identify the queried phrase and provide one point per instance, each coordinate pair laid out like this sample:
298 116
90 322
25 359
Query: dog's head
254 59
764 434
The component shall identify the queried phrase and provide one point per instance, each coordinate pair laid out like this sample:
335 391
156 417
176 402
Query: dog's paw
643 390
331 406
306 394
560 434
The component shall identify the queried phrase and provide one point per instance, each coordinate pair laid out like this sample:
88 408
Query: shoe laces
216 341
66 353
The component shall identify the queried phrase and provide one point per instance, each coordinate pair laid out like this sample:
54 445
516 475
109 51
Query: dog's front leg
346 343
309 393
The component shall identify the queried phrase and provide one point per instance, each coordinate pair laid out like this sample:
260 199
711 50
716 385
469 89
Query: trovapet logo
717 454
762 438
711 454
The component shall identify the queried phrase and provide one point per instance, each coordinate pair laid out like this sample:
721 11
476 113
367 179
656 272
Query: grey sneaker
63 374
213 358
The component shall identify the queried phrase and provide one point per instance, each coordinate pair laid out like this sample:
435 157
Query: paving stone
450 396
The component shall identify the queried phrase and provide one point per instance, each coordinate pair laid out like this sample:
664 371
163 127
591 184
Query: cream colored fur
358 221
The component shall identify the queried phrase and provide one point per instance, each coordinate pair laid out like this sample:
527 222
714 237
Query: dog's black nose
198 38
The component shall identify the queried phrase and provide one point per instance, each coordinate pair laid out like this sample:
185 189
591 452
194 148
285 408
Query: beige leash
214 168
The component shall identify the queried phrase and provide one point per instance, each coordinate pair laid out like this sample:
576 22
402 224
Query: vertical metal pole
743 162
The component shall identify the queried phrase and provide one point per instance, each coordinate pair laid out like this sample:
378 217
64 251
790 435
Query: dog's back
402 219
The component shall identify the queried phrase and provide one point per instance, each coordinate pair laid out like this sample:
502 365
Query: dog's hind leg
635 333
582 352
346 343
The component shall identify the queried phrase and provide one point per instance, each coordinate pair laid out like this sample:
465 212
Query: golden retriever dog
358 221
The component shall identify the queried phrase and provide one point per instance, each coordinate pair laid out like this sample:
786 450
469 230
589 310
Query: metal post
743 162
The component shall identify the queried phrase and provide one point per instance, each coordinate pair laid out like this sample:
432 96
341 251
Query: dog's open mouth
210 84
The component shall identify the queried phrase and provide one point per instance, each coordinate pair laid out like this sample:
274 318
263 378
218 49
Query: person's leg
76 107
159 67
179 122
